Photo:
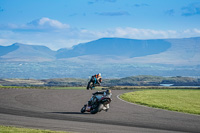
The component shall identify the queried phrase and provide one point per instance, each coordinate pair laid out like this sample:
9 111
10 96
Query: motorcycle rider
98 95
96 79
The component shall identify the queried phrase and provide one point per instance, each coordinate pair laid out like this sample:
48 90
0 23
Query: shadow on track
70 113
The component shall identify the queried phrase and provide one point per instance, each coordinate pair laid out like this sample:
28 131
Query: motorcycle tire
97 109
83 109
89 85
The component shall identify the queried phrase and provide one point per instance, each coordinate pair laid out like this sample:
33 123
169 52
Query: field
8 129
44 87
186 100
63 69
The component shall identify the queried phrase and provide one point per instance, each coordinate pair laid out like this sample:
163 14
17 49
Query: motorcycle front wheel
83 109
90 85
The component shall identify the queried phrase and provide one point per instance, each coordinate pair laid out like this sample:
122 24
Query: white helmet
99 74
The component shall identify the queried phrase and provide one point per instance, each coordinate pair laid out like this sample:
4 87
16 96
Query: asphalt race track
60 110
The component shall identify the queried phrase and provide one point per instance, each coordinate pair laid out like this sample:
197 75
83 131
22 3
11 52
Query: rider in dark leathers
98 95
96 79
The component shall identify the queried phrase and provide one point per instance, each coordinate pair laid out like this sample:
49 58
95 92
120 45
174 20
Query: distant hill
182 52
112 50
22 52
113 57
119 50
7 49
116 47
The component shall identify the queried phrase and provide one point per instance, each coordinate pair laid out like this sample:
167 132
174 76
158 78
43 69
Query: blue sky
64 23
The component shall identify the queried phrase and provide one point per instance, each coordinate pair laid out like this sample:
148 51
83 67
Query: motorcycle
97 105
93 83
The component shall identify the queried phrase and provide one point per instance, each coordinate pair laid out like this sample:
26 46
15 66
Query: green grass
151 87
187 101
78 88
24 87
44 87
8 129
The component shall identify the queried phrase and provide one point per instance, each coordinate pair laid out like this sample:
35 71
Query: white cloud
2 41
55 35
143 33
46 23
38 24
192 32
135 33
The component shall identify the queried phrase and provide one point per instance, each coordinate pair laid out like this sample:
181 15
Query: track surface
60 110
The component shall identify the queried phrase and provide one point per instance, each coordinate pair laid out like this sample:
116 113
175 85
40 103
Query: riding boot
89 106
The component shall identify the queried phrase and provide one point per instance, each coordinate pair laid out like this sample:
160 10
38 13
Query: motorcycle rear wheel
97 109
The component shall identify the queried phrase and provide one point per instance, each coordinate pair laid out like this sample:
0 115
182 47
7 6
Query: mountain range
184 51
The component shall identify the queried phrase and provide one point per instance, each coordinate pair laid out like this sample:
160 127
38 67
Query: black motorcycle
93 83
97 105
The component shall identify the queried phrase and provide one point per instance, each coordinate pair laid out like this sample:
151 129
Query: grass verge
45 87
9 129
187 101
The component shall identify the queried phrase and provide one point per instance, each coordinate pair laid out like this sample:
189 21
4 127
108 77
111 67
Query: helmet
108 91
99 74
